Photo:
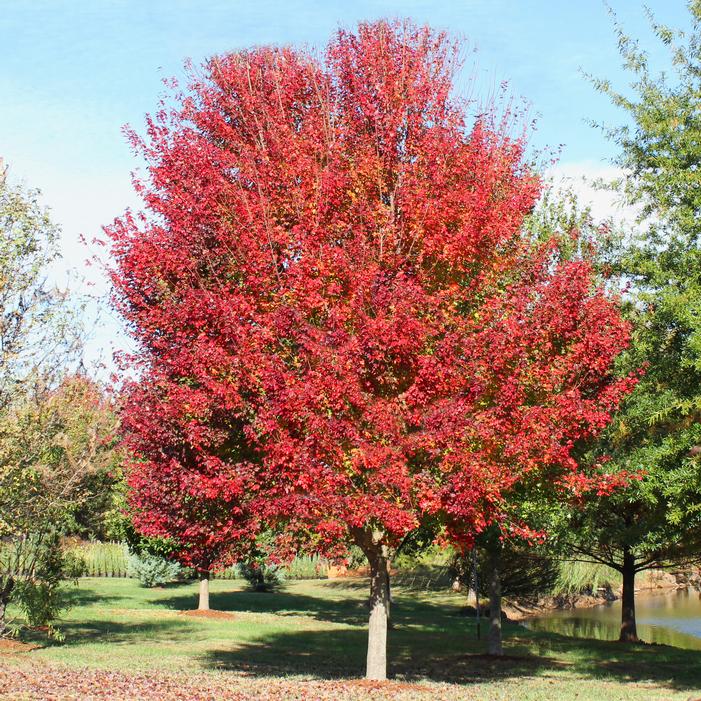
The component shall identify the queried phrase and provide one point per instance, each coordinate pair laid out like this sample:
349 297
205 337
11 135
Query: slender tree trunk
5 592
629 631
379 613
204 591
476 585
494 646
389 596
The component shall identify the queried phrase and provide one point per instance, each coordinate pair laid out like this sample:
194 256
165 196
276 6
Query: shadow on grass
281 603
178 584
115 633
673 667
341 653
75 595
348 584
349 610
429 640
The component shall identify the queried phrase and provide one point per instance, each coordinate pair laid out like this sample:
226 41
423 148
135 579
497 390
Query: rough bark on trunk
494 646
8 584
370 541
629 631
379 612
204 592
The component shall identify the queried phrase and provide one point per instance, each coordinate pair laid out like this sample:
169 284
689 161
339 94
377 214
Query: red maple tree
336 262
188 472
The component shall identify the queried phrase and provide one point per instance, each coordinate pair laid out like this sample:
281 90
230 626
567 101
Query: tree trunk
379 612
389 597
476 585
7 587
629 631
494 646
204 591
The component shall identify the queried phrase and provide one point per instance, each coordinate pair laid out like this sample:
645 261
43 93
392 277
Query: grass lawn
308 641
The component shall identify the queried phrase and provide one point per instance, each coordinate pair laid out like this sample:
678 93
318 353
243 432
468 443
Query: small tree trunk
379 613
476 585
389 596
204 591
5 591
494 646
629 631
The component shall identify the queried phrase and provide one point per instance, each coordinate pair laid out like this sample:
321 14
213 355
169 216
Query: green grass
316 630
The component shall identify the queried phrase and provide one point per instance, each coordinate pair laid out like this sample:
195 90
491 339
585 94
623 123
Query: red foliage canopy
342 324
188 473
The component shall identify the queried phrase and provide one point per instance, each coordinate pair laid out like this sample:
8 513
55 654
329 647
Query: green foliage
39 340
110 559
116 521
146 545
575 577
56 426
261 575
228 573
659 147
560 215
120 527
657 519
52 445
422 565
39 329
355 557
428 556
152 570
306 567
94 518
526 572
102 559
40 567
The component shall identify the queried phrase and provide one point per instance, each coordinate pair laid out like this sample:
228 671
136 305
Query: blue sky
72 72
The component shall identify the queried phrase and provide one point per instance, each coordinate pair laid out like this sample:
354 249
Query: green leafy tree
655 521
40 334
51 444
41 569
55 426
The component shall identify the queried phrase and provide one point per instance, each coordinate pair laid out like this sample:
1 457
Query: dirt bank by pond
648 583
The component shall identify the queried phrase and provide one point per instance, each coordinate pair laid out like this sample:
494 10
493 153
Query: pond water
670 619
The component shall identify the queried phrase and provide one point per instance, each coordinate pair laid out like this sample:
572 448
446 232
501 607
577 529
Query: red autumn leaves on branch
342 325
183 482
